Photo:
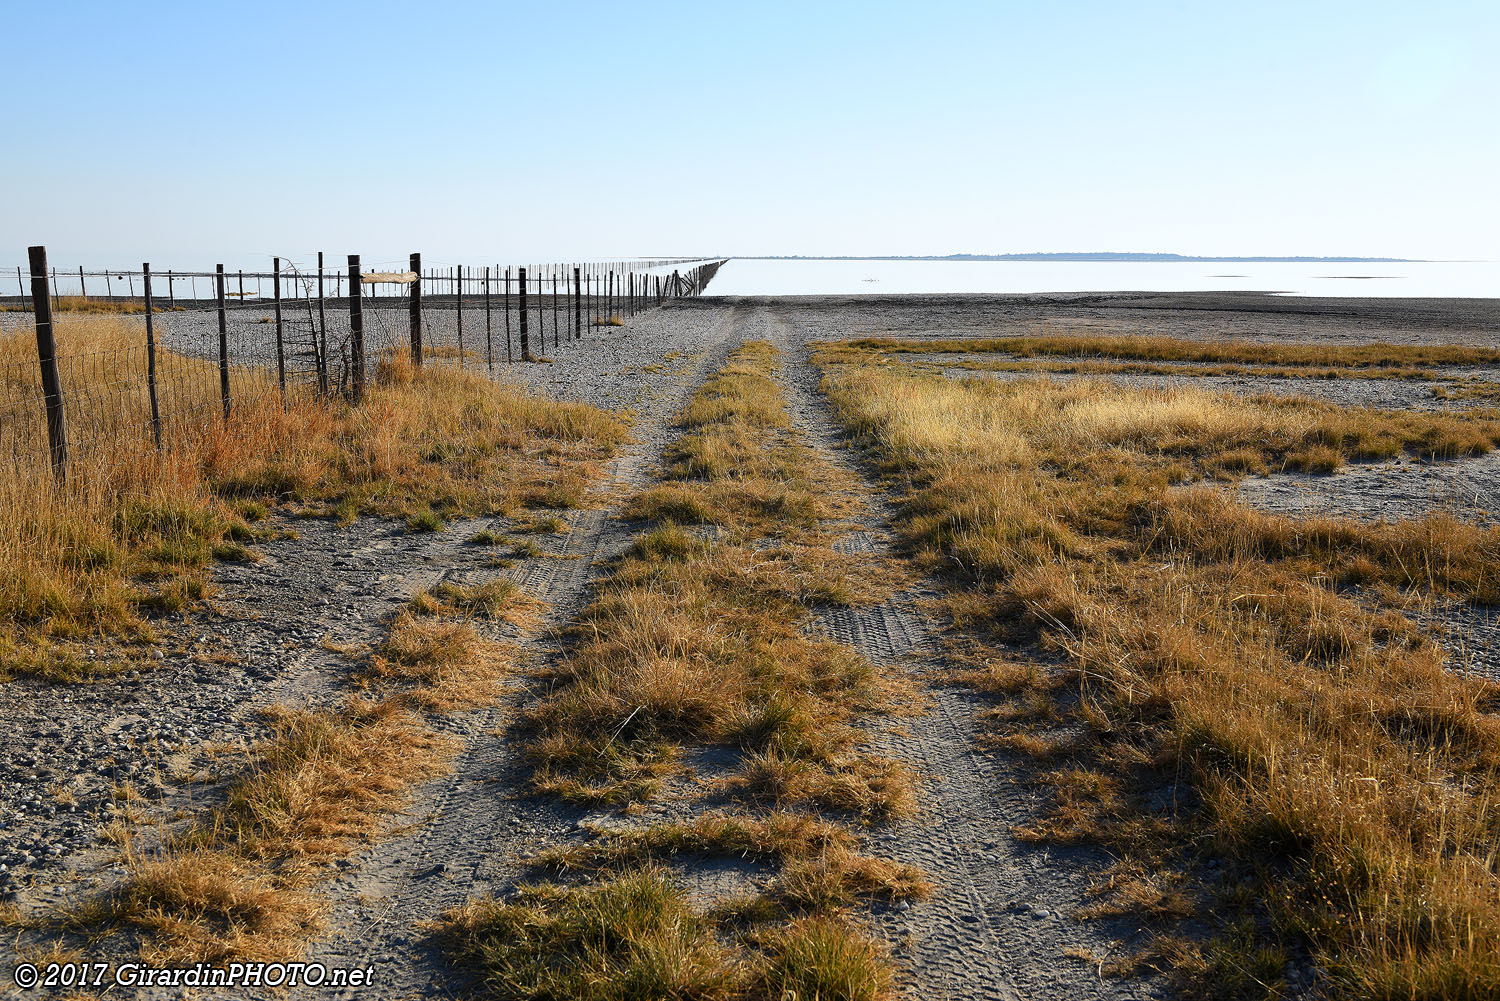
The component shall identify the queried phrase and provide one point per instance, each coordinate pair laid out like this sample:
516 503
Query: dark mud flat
1252 316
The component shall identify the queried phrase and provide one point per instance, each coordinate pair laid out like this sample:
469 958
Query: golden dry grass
88 304
1266 661
699 642
239 883
1162 348
133 531
637 936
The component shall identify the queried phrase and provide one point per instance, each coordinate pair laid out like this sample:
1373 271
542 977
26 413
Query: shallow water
1457 279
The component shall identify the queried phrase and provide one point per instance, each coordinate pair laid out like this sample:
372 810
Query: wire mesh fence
161 358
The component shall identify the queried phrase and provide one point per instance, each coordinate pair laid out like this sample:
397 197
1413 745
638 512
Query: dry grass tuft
823 957
632 937
236 885
496 599
436 663
636 936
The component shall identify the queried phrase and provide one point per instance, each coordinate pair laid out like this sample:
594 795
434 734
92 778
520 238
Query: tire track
998 925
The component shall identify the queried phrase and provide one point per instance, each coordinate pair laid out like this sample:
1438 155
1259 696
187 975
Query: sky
194 134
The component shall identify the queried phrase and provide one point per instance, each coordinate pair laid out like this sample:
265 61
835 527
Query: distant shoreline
1104 256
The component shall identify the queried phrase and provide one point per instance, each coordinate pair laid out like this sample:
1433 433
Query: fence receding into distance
164 355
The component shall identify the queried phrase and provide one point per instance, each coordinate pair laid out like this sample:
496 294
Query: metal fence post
223 340
46 352
280 351
151 357
356 329
415 307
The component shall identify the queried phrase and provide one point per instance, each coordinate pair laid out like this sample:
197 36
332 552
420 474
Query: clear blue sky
193 133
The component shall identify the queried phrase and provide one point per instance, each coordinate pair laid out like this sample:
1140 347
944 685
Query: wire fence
162 358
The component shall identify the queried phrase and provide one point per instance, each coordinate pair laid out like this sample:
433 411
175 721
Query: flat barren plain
1073 646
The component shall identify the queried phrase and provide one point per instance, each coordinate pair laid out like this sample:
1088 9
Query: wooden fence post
151 357
280 351
556 335
356 329
171 290
458 291
46 352
489 342
577 306
415 308
521 312
320 339
223 340
509 356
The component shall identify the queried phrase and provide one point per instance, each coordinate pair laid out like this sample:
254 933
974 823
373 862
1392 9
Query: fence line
94 386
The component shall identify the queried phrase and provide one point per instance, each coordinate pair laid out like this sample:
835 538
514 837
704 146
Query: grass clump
425 520
636 936
823 957
632 937
497 599
237 884
438 664
820 870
